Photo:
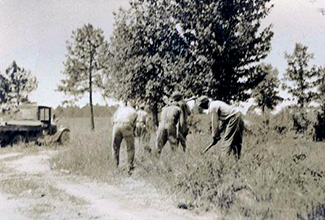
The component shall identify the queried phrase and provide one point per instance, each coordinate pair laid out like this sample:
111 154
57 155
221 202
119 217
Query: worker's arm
188 110
215 124
113 118
134 123
178 125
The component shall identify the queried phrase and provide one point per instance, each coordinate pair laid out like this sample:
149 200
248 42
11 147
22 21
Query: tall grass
89 152
276 178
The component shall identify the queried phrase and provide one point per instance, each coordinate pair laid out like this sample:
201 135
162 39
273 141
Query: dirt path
31 189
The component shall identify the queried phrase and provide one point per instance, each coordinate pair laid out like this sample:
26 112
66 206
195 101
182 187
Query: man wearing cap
225 119
183 126
168 126
142 129
124 121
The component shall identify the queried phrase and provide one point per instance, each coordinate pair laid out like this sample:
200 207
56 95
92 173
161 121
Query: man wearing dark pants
168 126
183 124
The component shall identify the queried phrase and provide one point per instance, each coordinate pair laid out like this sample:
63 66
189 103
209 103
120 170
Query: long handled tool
190 99
214 142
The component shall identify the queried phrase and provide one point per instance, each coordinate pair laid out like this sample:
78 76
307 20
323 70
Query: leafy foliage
197 47
300 75
145 48
303 81
86 60
16 85
225 41
266 93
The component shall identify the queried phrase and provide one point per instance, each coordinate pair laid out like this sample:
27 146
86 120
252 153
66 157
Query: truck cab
46 117
31 122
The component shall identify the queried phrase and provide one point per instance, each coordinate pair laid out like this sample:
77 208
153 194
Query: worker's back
186 112
170 114
142 116
125 114
223 110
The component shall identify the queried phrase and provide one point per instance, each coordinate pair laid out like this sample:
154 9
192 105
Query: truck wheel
64 138
18 139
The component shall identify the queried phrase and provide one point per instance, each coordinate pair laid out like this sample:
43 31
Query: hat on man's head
142 106
202 100
176 96
130 103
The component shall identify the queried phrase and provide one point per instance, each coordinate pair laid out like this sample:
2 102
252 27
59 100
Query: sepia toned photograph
162 110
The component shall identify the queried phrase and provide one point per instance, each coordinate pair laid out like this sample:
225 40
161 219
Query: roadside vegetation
280 175
157 47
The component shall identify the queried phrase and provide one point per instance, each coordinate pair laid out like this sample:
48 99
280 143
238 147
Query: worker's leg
145 140
182 140
161 139
129 139
239 137
231 130
172 137
116 143
236 136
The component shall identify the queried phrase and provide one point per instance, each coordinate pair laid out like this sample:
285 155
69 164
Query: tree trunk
155 115
92 121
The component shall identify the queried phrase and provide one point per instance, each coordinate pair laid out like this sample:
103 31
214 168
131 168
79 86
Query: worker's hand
216 139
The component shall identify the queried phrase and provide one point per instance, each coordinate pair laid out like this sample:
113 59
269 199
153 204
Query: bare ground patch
39 191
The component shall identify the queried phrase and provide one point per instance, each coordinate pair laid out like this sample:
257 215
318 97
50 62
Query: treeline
83 112
284 124
306 84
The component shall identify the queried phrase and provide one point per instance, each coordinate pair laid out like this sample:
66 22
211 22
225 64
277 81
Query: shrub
320 125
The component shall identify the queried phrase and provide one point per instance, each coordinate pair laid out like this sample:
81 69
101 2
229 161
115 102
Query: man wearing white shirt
124 121
225 119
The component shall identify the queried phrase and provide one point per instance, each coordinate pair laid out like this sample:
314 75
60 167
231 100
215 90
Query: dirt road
31 189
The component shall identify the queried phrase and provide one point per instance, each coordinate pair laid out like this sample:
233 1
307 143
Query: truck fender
57 135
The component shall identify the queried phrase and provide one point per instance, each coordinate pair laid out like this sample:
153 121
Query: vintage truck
32 123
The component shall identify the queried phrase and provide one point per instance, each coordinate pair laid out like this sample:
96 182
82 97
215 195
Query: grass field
276 178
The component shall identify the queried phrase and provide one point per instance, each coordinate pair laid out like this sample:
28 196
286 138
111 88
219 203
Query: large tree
16 85
86 60
146 48
226 41
266 93
199 47
301 78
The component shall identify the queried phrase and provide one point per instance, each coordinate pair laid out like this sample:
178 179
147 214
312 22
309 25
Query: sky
34 34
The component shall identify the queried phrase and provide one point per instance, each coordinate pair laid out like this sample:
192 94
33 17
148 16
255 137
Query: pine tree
16 85
86 61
